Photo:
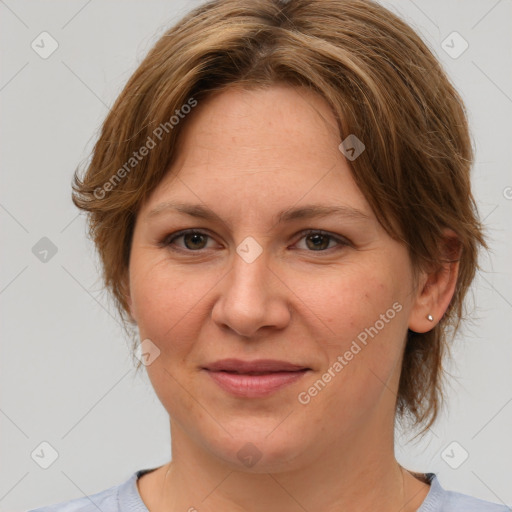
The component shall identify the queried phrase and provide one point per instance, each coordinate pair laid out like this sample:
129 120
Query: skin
247 155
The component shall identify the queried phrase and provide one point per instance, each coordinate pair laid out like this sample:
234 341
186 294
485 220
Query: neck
352 474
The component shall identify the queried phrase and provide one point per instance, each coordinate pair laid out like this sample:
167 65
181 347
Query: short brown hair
382 83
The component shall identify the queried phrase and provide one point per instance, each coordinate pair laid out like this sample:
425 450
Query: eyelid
167 241
342 241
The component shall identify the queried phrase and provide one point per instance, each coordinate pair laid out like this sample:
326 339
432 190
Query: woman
281 201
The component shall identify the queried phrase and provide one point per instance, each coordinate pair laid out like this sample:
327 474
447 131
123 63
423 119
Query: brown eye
317 242
194 240
191 241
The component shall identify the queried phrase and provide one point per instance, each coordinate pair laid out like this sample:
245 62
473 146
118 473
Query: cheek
365 320
345 303
362 363
165 300
168 306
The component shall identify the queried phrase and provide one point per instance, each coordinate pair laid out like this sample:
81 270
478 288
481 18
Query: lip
254 379
258 365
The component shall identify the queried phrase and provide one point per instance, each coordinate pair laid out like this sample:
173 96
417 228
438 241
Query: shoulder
441 500
462 502
109 500
106 501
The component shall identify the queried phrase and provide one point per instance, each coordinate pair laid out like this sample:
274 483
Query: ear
436 286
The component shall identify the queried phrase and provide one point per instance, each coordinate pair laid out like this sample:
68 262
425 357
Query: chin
260 450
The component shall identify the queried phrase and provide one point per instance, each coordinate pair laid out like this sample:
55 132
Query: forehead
260 147
261 125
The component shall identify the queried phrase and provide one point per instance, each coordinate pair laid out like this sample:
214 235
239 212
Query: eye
319 241
192 240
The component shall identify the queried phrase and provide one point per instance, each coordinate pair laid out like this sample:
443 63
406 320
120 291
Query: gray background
67 377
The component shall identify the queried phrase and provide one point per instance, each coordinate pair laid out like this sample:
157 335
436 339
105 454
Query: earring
430 318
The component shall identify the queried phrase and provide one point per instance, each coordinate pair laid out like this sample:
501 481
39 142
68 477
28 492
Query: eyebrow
304 212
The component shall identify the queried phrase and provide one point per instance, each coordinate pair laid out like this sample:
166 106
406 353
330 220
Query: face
278 303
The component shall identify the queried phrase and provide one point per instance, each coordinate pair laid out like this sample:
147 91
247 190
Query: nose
251 299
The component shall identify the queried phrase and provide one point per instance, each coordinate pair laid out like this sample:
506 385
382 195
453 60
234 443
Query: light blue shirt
125 497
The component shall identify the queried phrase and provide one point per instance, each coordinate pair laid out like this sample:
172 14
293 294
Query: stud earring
430 318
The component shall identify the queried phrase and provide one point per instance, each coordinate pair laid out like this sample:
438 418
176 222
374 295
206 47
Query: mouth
259 366
254 379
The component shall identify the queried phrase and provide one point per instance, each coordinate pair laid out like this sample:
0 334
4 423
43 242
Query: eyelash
169 239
